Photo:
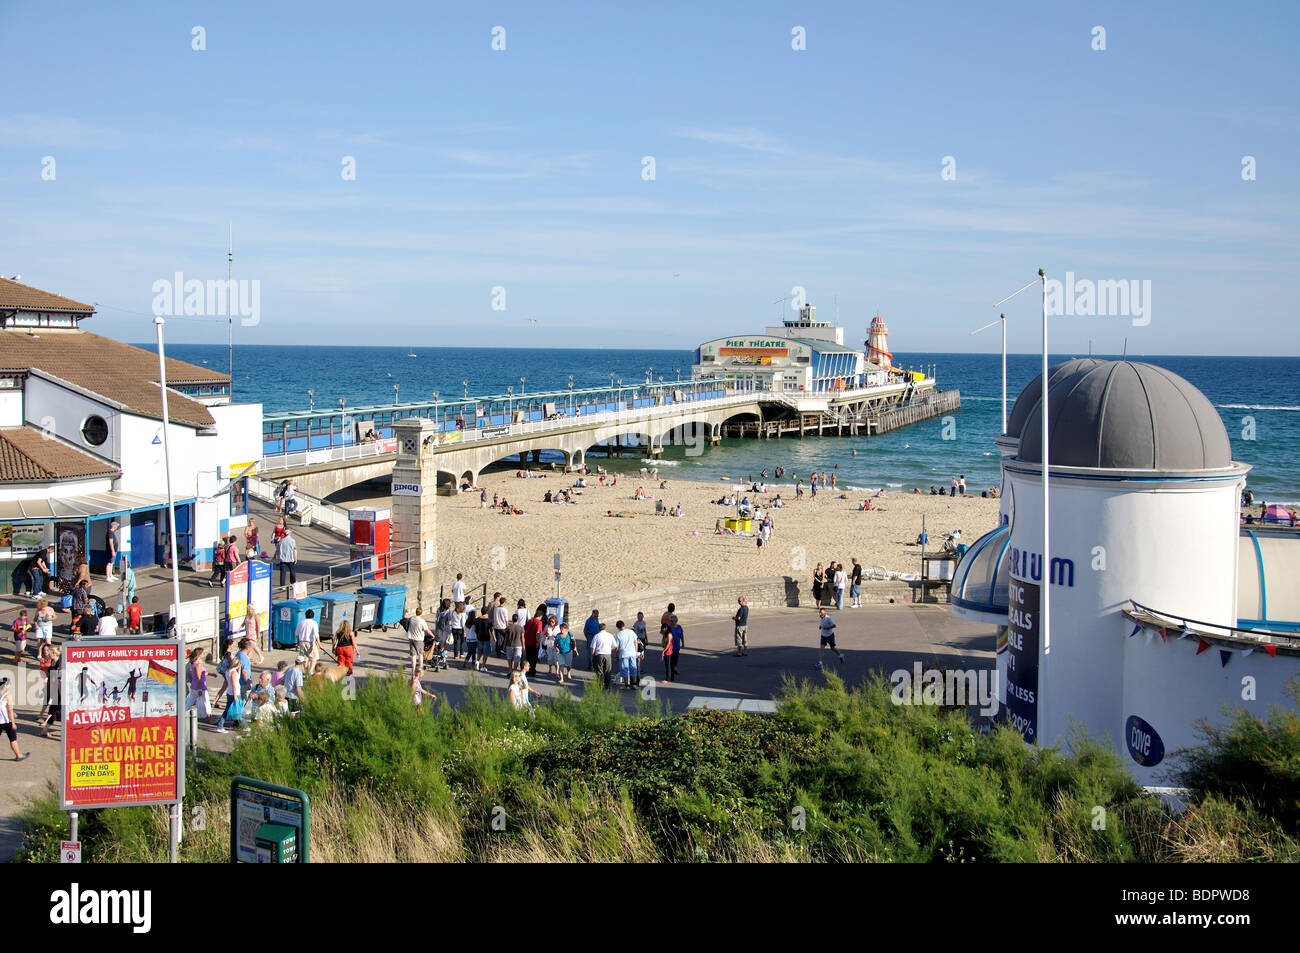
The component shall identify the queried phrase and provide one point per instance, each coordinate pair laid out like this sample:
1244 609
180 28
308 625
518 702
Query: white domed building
1161 609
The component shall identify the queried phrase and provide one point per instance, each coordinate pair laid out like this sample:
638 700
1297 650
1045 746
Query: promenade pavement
782 644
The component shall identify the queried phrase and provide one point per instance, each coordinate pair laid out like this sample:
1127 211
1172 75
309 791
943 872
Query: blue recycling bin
336 608
392 602
367 614
285 617
557 607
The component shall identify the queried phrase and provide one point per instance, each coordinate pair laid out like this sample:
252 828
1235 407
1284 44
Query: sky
917 160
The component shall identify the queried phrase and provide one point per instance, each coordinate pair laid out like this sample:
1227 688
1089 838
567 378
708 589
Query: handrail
399 561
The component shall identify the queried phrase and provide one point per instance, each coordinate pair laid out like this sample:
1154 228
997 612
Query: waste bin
557 607
285 617
392 604
336 608
367 613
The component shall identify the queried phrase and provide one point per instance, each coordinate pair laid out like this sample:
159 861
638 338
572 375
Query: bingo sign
1022 658
122 729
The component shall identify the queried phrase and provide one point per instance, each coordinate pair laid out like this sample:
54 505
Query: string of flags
1225 655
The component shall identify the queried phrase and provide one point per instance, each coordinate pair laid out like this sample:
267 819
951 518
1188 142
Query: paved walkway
782 642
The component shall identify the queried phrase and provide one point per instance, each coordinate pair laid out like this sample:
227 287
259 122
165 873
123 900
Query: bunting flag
1246 652
1136 629
1202 646
1271 650
1164 634
1224 655
1183 634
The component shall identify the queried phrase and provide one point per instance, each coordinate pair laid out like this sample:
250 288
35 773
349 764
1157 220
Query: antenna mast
230 321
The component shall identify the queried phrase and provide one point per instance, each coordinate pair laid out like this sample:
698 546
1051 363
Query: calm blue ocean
1262 390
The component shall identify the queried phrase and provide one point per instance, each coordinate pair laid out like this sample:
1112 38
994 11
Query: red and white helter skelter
878 344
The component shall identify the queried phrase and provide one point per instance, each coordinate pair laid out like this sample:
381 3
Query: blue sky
774 168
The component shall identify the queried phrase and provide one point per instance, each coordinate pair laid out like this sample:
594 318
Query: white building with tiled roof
81 442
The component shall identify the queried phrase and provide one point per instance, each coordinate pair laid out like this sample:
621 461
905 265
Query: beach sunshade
1277 513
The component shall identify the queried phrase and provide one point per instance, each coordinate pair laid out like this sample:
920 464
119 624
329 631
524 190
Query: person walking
458 588
602 650
482 626
7 721
826 629
287 554
307 635
500 624
111 545
252 542
345 645
563 654
44 624
741 618
533 633
442 626
458 625
416 631
234 710
679 643
628 650
53 689
841 583
590 628
668 653
196 684
855 584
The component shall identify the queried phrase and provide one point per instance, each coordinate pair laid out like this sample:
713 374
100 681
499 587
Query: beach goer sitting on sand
880 494
640 493
663 484
546 497
777 503
865 505
718 528
677 510
581 483
660 509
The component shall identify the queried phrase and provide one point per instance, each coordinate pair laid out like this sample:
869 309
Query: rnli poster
247 584
121 710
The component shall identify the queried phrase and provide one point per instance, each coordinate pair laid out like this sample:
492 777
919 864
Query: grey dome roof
1122 415
1030 396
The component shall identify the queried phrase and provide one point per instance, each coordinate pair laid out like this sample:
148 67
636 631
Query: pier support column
415 499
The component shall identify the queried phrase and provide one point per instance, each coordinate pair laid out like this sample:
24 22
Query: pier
325 451
839 424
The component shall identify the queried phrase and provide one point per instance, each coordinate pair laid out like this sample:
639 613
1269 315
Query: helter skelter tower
878 343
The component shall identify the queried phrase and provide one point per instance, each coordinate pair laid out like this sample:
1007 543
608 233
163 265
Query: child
265 710
21 627
418 694
133 614
44 624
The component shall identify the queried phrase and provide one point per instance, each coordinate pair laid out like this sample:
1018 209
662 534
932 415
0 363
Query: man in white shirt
458 589
500 624
628 675
602 647
416 630
841 581
307 635
107 625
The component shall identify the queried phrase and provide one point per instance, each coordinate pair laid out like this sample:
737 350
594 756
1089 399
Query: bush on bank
836 774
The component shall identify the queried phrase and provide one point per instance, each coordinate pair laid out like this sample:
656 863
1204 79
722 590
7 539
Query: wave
678 463
899 484
1256 407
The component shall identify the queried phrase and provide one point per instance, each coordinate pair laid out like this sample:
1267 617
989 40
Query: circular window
94 430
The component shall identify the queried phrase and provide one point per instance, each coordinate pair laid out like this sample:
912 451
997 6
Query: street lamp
310 402
435 406
521 386
648 373
395 386
510 399
465 385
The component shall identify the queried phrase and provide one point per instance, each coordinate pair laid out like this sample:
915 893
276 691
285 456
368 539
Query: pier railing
626 415
311 509
623 416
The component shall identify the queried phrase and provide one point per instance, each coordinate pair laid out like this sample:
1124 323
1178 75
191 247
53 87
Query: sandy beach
643 551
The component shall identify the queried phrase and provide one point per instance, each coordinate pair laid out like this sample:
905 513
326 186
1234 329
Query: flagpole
1045 603
174 825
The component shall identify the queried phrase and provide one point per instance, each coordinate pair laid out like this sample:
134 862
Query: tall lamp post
435 406
311 402
174 818
570 395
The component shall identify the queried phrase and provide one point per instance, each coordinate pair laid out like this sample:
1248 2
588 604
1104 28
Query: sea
1258 398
